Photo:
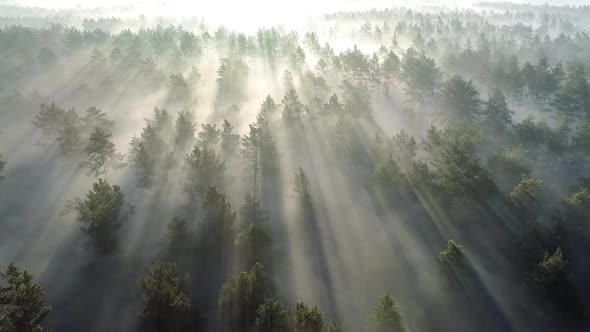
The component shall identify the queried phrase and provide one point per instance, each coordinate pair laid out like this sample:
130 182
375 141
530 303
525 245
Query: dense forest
393 169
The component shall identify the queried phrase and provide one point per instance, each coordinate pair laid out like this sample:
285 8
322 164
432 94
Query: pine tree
301 187
357 99
185 130
179 91
259 153
102 154
420 75
459 170
582 138
271 316
230 142
554 283
209 136
150 151
178 238
452 256
391 70
288 81
254 241
216 235
386 317
232 77
242 295
526 194
267 109
309 319
292 107
21 302
515 80
69 135
573 98
459 100
95 118
334 106
101 214
204 168
403 148
50 119
166 305
497 115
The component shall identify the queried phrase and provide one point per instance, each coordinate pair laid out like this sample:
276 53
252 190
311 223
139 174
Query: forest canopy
418 168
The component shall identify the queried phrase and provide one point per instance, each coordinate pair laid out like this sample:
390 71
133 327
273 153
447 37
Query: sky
244 15
184 7
180 7
253 8
234 13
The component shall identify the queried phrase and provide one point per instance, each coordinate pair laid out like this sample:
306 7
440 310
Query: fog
416 166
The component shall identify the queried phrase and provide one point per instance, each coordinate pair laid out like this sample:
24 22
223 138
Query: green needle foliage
102 154
386 317
101 214
453 255
21 302
554 283
271 316
166 305
242 295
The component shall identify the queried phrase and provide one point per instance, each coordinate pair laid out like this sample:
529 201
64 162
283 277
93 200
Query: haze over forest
273 166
